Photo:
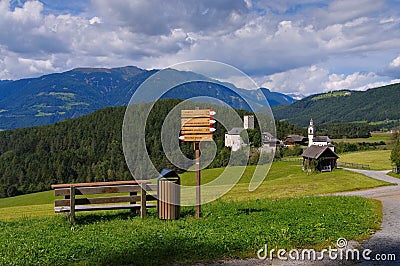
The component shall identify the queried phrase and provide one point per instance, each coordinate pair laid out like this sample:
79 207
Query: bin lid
168 174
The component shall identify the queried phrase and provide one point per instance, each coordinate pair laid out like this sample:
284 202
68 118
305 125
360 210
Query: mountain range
56 97
374 106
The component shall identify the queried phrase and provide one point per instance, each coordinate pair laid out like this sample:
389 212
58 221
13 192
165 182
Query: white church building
318 140
233 138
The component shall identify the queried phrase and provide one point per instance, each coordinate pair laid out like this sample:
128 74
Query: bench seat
103 207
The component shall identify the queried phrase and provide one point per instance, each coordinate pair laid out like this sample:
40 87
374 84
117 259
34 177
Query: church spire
311 133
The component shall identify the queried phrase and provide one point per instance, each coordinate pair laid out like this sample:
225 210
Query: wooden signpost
196 126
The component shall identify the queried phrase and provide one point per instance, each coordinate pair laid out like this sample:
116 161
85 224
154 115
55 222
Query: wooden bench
71 204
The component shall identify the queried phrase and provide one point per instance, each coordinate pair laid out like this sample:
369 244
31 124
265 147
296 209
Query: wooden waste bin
169 195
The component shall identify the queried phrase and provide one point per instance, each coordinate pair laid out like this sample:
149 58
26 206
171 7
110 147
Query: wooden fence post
72 204
142 201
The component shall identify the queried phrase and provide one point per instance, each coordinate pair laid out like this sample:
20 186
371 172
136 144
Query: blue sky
302 47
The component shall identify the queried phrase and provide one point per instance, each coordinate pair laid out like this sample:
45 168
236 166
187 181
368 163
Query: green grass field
282 213
226 230
394 175
376 137
377 159
285 179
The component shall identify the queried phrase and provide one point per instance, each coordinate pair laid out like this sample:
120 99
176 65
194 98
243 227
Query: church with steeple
321 149
310 133
318 140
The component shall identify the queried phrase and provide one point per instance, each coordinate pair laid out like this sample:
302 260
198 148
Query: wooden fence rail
343 164
290 159
353 165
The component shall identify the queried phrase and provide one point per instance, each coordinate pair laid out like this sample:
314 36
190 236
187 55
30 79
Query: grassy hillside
375 138
227 230
373 105
236 226
377 160
285 179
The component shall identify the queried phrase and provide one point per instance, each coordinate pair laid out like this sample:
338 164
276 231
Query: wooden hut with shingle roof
320 158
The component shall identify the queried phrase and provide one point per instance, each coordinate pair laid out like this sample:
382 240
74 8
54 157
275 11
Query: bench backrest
72 190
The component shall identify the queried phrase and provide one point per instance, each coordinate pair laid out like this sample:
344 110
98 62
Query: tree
395 155
253 137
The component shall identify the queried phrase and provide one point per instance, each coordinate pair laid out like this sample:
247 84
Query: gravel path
385 241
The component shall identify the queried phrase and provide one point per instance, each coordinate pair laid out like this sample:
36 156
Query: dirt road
386 240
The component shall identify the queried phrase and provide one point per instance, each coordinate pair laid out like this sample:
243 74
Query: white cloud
301 46
154 17
309 80
95 20
395 62
344 11
393 69
302 80
353 81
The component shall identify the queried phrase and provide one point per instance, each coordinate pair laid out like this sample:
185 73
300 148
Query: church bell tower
310 133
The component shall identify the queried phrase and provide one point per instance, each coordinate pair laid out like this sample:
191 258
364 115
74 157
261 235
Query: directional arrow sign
197 137
196 130
196 125
195 122
195 113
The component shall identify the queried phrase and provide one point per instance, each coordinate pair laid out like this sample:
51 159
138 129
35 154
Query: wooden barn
321 158
292 140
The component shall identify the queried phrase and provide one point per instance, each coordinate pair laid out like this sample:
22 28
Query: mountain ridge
55 97
373 105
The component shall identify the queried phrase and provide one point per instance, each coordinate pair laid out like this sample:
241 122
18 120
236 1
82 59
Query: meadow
226 230
375 137
282 213
284 180
377 159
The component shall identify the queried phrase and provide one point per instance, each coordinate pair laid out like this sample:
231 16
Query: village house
269 140
292 140
235 141
233 138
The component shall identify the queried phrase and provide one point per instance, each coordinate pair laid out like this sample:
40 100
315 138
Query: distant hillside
89 148
56 97
374 105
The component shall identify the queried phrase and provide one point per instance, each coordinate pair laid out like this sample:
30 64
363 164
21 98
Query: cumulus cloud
155 17
302 80
393 69
309 80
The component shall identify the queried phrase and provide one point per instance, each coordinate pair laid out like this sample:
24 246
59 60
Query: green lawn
282 213
46 197
227 230
376 137
377 160
285 179
393 174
